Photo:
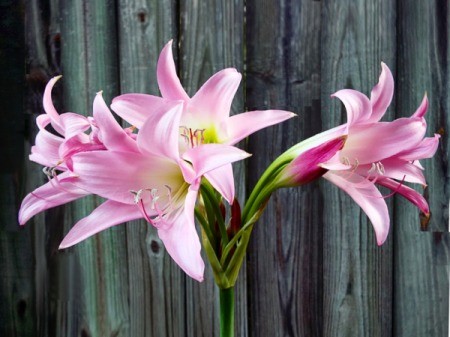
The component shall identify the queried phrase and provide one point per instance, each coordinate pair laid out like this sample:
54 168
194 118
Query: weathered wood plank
93 275
421 275
285 257
211 39
157 295
356 37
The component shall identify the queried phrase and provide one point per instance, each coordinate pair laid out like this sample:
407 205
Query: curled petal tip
56 78
100 93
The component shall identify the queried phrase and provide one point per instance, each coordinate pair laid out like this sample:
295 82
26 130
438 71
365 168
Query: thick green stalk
227 312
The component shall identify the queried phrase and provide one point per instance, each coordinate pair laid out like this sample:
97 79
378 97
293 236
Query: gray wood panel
421 258
313 266
285 256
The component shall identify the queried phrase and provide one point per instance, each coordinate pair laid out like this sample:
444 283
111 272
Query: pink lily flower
383 153
54 151
140 178
206 116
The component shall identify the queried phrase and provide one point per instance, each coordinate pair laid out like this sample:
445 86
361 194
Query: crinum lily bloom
206 116
383 153
146 178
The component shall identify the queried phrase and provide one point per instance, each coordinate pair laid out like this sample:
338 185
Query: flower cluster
180 145
154 173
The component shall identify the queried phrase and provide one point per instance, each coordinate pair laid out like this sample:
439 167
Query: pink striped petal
168 81
426 149
367 196
114 175
374 142
56 192
381 95
108 214
207 157
181 239
244 124
50 108
46 149
357 105
73 124
422 109
411 195
213 100
395 169
136 108
160 133
111 134
222 180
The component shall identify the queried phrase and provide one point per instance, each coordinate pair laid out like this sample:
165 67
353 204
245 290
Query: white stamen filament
192 137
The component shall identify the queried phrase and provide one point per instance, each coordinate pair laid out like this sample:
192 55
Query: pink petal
168 81
222 180
181 239
160 134
56 192
107 215
207 157
213 100
396 169
411 195
425 149
422 109
381 95
357 105
73 124
367 196
46 148
307 166
244 124
369 143
114 175
136 108
111 134
50 108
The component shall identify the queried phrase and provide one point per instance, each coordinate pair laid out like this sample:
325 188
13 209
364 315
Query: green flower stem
227 312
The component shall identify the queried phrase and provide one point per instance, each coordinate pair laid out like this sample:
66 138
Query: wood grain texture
285 257
211 39
421 258
313 268
356 37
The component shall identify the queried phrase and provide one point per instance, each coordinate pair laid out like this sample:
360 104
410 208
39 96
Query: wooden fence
313 268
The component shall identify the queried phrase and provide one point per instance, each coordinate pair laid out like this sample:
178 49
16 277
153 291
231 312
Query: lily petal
426 149
357 105
411 195
390 138
381 95
207 157
50 108
73 124
181 239
136 108
367 196
56 192
107 215
111 134
114 175
166 73
213 100
423 107
222 180
242 125
161 132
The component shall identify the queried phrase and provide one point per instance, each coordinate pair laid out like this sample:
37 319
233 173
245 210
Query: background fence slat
421 258
285 256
